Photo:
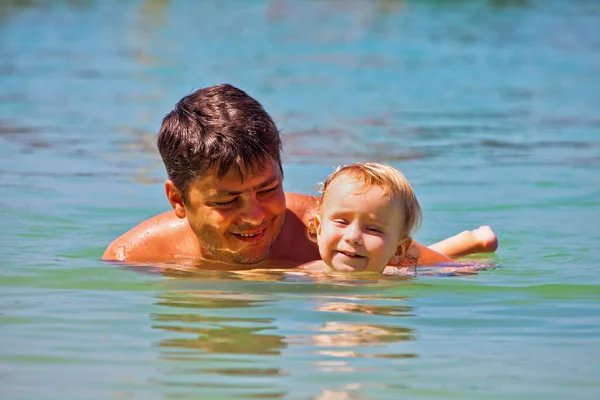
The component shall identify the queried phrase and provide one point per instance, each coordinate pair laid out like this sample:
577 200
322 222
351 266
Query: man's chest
294 245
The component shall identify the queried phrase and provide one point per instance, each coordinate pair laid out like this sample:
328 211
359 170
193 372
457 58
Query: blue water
490 108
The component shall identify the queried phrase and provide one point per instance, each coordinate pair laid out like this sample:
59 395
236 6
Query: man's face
237 221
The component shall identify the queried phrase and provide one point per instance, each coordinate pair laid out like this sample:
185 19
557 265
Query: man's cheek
218 217
277 206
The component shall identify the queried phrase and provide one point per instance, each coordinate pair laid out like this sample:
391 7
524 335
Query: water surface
488 107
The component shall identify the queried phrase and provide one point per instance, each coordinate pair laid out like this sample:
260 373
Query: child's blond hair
388 178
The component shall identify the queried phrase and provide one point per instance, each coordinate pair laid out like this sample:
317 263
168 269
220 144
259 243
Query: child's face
359 232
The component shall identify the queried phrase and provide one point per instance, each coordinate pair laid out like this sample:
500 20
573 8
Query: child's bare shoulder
315 266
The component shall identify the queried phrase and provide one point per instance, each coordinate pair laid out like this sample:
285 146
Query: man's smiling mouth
251 236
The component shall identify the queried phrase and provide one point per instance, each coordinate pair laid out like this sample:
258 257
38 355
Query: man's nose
353 234
253 212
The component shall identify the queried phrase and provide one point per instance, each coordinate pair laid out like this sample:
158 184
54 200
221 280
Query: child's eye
374 229
340 222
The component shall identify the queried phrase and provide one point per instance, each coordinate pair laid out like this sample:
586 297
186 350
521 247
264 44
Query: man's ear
403 246
175 198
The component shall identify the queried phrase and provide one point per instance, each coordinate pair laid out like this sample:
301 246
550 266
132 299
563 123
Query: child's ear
403 246
317 222
175 198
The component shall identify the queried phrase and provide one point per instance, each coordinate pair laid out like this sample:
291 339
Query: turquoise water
489 107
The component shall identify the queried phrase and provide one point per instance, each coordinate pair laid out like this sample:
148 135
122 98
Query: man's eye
270 190
225 203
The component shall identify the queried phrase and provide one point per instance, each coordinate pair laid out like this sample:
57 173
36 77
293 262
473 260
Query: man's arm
159 238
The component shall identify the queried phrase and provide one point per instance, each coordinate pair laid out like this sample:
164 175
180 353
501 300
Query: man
222 153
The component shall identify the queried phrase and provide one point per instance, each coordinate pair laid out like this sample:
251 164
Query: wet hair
217 128
368 175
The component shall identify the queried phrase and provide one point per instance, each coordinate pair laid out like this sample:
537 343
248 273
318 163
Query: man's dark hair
218 127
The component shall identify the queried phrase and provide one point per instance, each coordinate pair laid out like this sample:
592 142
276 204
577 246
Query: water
488 107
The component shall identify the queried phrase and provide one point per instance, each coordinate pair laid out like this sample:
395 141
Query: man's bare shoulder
302 205
155 239
165 236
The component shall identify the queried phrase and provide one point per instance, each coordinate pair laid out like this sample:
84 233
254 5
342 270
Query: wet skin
235 220
359 230
203 230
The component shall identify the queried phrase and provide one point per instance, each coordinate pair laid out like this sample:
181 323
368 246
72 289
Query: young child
367 215
366 218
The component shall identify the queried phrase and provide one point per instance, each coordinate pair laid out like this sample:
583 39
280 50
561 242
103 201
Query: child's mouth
350 255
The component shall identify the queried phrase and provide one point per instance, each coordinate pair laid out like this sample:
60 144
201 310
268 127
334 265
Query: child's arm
480 240
315 266
417 254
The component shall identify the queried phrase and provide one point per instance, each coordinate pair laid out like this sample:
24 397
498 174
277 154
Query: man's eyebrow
260 186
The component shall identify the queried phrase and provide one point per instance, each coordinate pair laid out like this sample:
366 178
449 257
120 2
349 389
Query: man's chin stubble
232 257
246 261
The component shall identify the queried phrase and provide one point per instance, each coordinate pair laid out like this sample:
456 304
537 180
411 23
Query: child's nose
353 234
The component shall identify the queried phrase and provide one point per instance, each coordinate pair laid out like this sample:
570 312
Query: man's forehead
235 179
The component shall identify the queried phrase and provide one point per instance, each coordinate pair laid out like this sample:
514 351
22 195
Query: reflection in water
492 104
394 310
337 334
217 333
225 339
212 336
342 344
344 337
